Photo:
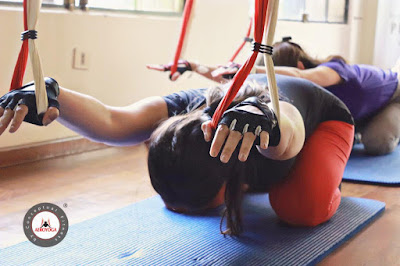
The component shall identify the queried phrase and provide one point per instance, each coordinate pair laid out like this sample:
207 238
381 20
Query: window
326 11
45 2
158 6
139 5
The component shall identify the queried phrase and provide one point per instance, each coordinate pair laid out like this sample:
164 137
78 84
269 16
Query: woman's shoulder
336 62
183 101
341 67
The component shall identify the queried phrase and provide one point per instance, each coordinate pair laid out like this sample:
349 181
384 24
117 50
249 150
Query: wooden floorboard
91 184
15 155
98 182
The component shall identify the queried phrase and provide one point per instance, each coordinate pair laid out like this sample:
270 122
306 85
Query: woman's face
214 203
181 169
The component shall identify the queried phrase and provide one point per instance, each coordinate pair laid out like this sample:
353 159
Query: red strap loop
20 66
186 18
244 71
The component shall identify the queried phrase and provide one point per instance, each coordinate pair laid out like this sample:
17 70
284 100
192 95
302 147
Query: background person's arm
321 75
205 71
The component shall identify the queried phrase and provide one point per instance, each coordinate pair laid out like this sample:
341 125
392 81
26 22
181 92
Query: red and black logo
45 224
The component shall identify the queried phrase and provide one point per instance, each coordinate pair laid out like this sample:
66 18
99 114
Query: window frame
19 4
104 10
345 15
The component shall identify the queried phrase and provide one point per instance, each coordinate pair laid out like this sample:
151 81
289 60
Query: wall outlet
80 59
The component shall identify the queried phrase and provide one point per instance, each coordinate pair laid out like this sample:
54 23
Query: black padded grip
182 67
266 122
25 95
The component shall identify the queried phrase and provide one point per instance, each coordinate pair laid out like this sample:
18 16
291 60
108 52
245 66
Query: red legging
311 196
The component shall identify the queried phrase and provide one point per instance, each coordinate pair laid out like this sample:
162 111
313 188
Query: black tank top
314 103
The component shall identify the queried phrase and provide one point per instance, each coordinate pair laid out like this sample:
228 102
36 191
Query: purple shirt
364 89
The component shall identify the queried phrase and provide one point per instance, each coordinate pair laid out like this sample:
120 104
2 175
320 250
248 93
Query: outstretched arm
208 72
112 125
184 65
93 119
321 75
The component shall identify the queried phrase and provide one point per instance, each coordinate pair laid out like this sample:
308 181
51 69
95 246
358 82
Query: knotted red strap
186 18
244 71
243 43
20 66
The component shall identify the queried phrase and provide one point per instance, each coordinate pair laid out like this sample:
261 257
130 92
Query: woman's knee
379 145
381 134
305 210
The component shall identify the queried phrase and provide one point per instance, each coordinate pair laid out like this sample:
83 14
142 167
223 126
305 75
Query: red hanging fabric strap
20 66
243 43
244 71
186 18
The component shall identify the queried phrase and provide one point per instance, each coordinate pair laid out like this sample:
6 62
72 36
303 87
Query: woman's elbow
291 152
294 142
293 147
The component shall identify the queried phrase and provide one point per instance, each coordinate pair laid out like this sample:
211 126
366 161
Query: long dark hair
287 53
182 171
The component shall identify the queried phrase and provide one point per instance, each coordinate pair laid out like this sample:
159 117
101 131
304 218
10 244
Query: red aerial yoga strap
19 70
240 77
243 43
186 18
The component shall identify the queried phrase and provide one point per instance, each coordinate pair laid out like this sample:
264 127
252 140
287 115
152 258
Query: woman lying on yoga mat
299 161
371 94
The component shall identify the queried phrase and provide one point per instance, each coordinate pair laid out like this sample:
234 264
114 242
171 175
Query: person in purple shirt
371 94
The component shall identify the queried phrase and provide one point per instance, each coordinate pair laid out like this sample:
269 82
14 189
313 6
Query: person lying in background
299 160
372 94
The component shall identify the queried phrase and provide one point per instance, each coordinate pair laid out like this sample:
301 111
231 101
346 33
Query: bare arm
321 75
112 125
91 118
205 71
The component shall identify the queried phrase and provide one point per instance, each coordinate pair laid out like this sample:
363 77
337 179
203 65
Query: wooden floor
98 182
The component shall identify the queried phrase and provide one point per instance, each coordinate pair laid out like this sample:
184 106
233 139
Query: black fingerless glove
231 76
243 121
182 67
26 96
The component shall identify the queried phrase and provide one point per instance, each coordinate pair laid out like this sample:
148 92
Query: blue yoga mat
146 233
383 170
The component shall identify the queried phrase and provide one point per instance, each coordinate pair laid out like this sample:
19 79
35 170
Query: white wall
362 23
120 46
354 40
387 42
318 39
